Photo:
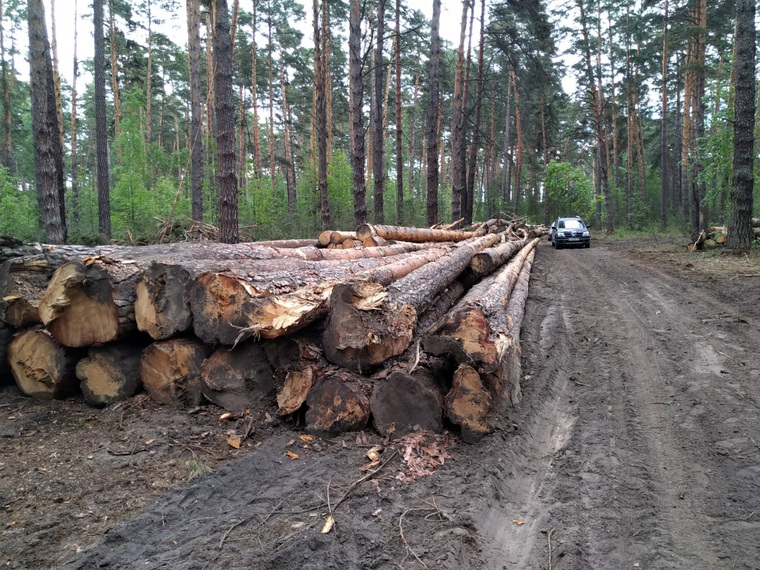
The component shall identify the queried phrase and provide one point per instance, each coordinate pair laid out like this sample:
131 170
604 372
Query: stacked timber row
419 329
715 236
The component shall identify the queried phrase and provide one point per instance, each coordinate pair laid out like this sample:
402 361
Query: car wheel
557 246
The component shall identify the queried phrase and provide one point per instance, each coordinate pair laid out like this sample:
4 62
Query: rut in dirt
642 446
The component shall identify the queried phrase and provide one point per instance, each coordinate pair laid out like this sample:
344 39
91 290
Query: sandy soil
635 446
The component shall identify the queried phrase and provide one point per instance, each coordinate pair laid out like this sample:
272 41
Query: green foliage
570 191
19 209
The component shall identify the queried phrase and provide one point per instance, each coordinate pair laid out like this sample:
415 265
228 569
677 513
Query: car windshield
572 224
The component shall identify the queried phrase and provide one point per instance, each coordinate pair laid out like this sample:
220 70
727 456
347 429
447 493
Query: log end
170 371
239 378
405 403
468 404
216 302
337 404
109 374
465 335
41 367
162 306
365 231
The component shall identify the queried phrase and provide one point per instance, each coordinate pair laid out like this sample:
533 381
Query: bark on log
367 325
477 331
489 260
239 378
417 235
404 403
468 404
338 403
110 373
507 384
41 367
288 243
170 371
23 281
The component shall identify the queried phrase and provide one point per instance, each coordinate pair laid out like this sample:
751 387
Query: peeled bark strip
487 261
337 403
468 404
110 373
41 367
239 378
78 307
170 371
404 403
368 325
23 281
416 235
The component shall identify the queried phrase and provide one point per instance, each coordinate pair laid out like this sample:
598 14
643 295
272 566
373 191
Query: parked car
569 232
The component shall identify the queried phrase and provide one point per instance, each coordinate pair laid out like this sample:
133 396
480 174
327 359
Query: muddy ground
636 445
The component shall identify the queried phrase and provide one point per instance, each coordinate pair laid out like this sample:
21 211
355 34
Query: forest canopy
297 116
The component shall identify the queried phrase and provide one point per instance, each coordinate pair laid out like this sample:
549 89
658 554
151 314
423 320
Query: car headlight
560 234
586 234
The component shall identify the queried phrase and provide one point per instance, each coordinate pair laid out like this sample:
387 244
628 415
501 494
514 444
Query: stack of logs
419 328
715 236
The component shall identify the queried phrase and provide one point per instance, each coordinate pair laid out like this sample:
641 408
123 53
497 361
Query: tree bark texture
432 117
48 154
378 133
225 118
357 118
196 128
739 224
101 133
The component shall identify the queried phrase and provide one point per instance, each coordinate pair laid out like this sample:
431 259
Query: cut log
23 281
110 373
78 307
441 305
489 260
239 378
324 238
477 330
170 371
162 306
339 236
417 235
288 243
468 404
226 309
297 364
404 403
41 367
367 325
338 403
507 383
374 241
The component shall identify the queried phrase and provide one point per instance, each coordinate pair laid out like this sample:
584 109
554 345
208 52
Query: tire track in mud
648 475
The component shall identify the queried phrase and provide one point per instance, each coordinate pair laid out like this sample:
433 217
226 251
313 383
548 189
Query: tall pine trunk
475 144
114 58
321 112
357 119
432 118
378 135
739 224
254 96
225 119
74 155
399 124
196 128
664 159
458 178
101 136
290 170
48 153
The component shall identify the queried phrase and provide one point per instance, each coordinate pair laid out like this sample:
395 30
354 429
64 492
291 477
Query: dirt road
636 445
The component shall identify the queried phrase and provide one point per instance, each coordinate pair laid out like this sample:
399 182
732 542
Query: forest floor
636 445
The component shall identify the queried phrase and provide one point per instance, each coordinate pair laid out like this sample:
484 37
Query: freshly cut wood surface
337 403
110 373
78 306
324 238
170 371
41 367
162 305
468 404
341 236
400 233
403 403
23 281
238 378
